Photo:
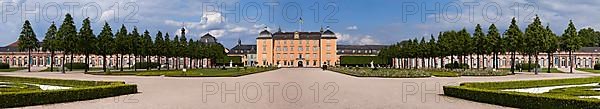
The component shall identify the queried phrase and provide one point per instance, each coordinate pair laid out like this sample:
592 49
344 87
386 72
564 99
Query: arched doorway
300 64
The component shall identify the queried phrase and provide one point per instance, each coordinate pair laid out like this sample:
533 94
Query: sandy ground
291 88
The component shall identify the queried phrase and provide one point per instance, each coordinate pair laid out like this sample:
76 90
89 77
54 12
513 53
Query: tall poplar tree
86 42
533 41
67 34
121 43
480 42
571 42
494 43
105 44
50 44
549 45
159 48
28 42
512 36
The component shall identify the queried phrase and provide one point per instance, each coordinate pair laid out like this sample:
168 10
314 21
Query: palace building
298 49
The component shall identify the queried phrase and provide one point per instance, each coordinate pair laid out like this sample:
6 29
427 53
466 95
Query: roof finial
279 28
239 41
327 27
321 28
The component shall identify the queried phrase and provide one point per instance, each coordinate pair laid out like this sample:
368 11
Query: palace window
291 48
300 49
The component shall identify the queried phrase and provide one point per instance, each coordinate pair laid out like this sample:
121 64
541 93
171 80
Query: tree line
536 39
69 41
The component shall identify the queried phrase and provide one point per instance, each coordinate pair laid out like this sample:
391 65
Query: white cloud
357 40
238 29
351 28
217 33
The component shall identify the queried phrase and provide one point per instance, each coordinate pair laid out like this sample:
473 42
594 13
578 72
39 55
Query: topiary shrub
145 65
76 65
597 67
456 65
4 66
527 66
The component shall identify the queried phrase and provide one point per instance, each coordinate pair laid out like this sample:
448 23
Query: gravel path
294 88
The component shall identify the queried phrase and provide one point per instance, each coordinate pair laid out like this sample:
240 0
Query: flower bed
491 92
82 90
389 73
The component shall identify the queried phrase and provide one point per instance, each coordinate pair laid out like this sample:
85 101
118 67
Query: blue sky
354 21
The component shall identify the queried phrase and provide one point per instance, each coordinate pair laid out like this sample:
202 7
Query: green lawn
384 73
18 87
414 73
11 69
57 69
543 70
561 98
25 91
212 72
588 70
444 74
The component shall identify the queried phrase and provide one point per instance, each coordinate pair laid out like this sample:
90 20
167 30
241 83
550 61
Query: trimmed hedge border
489 92
344 71
519 100
4 66
94 90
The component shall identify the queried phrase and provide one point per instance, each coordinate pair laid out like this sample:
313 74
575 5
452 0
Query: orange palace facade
296 49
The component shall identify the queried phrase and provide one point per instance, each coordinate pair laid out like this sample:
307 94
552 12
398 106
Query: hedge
490 92
597 67
527 66
236 60
76 65
456 65
362 60
4 66
383 73
520 100
94 90
145 65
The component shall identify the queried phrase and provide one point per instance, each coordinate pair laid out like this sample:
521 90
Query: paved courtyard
295 88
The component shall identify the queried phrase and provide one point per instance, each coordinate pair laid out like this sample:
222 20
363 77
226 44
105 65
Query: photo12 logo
475 11
291 12
118 12
253 92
